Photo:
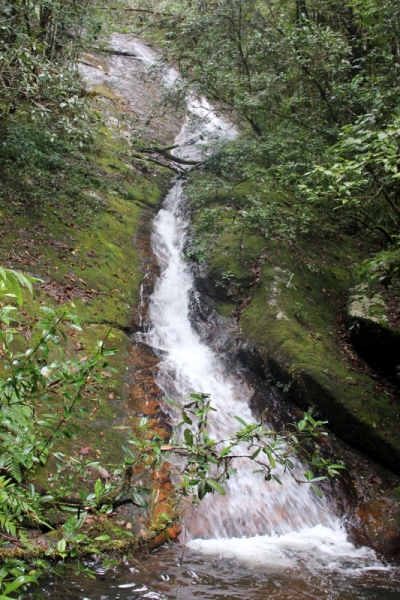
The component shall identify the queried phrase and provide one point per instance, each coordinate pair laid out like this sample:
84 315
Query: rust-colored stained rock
166 536
377 524
164 495
143 394
161 476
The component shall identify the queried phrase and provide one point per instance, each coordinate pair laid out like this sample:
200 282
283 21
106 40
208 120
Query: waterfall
256 520
252 505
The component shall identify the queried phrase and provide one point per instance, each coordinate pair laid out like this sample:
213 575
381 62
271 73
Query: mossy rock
300 354
79 238
287 297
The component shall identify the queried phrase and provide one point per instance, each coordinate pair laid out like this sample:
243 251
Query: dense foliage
316 82
39 44
44 111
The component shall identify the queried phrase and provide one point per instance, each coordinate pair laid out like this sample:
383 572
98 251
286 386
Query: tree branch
161 164
169 156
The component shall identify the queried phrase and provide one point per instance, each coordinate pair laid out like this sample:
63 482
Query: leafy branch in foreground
202 465
35 376
206 464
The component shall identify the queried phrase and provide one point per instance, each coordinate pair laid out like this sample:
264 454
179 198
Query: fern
18 440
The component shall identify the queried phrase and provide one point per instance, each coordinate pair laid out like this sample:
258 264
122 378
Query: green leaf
201 490
255 454
188 435
225 451
102 538
271 459
317 491
139 499
98 488
61 546
215 486
308 475
18 582
186 419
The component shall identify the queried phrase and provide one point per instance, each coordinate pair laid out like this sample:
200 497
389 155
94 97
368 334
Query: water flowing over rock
291 516
261 540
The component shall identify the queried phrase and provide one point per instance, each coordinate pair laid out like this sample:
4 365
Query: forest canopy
316 84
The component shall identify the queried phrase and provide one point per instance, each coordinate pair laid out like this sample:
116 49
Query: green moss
395 493
94 430
296 289
225 308
293 320
79 239
107 92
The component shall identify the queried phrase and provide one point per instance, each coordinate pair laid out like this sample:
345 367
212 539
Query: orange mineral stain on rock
143 397
377 524
166 536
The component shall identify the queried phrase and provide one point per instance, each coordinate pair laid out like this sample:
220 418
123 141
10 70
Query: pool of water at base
179 573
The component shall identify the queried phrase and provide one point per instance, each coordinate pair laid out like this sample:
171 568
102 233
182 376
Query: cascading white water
252 505
256 520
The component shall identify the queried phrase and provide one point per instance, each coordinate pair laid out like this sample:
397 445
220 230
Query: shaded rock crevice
376 340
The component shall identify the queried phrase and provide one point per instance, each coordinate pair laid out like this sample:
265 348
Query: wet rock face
143 396
249 355
138 321
121 68
376 341
221 334
377 524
